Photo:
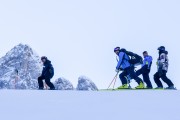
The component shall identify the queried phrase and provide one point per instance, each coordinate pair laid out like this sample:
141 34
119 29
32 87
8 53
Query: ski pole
45 85
113 80
128 80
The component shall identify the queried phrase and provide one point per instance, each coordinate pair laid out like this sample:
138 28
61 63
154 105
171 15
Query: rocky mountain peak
20 68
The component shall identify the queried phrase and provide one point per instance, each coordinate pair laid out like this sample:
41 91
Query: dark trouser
145 73
48 82
129 71
163 76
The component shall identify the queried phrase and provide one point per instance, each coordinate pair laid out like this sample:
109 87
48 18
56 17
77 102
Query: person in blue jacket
47 74
127 68
145 69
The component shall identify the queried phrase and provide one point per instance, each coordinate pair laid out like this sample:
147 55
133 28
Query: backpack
135 59
51 71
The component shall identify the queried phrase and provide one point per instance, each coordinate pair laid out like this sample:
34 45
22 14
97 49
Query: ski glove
117 70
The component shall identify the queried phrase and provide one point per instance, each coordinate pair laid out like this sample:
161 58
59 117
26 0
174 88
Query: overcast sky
79 36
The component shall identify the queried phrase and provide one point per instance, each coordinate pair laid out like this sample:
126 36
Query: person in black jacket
47 74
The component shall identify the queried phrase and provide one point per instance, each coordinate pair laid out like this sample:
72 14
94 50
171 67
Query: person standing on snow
47 74
145 69
127 68
162 65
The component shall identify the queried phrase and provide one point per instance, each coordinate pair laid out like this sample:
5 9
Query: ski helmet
43 57
166 52
161 48
116 49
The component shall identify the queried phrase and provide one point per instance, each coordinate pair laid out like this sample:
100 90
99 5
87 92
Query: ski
133 89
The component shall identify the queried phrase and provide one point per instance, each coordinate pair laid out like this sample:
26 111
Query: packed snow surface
89 105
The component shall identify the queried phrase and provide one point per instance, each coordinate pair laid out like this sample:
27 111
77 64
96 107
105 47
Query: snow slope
80 105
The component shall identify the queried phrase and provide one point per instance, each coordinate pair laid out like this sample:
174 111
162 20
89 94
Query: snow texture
89 105
85 83
20 68
63 84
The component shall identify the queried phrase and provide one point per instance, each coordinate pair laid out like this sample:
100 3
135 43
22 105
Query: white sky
78 36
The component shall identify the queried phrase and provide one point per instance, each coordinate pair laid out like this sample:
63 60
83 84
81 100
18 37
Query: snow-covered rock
20 68
85 83
63 84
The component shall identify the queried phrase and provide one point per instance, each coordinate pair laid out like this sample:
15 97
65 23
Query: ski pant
129 71
48 82
145 73
163 76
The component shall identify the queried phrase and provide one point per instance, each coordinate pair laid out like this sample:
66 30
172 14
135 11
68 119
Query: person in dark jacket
127 68
47 74
145 69
162 65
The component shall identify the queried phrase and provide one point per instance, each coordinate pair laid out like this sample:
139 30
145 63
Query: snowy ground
104 105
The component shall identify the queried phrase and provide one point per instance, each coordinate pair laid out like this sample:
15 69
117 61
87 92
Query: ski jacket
163 62
147 62
123 62
48 70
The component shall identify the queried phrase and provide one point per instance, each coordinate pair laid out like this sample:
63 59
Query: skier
162 64
145 69
127 68
47 74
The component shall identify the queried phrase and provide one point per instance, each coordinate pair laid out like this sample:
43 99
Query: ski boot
52 89
125 86
41 88
159 88
140 86
148 87
171 88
